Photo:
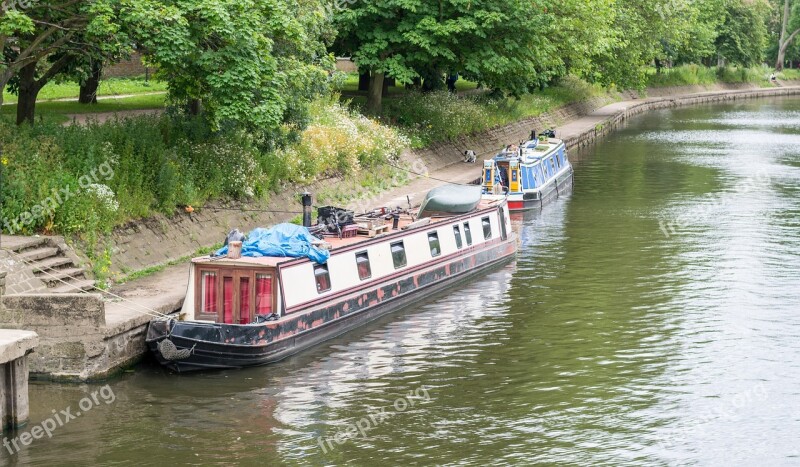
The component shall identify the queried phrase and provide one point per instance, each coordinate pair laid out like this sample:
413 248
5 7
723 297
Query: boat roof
532 149
335 242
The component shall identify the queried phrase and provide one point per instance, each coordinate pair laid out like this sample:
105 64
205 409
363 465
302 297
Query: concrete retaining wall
74 342
613 121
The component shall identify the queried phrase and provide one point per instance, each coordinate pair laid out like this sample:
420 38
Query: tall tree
790 21
253 62
497 42
48 38
742 37
29 35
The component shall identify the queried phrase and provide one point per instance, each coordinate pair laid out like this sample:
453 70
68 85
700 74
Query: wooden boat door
238 293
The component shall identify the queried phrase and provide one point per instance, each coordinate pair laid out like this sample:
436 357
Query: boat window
362 262
467 233
433 242
208 292
487 228
503 232
323 277
398 254
558 162
263 294
457 233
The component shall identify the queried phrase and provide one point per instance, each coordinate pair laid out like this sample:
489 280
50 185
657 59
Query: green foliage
690 75
485 40
251 62
339 141
742 36
684 75
432 117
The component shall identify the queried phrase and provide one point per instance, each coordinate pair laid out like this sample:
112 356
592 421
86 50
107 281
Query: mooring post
15 345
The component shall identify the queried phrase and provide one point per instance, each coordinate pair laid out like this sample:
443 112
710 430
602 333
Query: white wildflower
104 195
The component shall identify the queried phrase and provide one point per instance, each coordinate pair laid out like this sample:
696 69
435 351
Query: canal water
651 318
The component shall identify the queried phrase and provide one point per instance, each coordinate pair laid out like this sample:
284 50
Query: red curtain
209 293
263 295
227 300
364 270
244 300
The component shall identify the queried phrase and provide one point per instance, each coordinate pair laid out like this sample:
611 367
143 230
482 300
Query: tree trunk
781 39
88 91
28 90
194 106
781 58
432 80
375 95
386 83
363 81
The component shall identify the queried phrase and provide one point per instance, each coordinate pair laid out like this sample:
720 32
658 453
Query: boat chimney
395 220
306 209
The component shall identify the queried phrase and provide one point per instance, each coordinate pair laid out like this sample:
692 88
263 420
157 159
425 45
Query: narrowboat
531 175
290 289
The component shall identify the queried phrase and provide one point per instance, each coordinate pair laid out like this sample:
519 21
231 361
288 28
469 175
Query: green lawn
109 87
57 111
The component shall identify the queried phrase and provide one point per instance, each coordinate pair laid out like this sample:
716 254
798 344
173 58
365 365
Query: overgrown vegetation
438 116
339 141
691 74
143 165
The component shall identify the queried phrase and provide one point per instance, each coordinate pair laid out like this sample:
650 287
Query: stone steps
74 286
54 277
50 265
38 253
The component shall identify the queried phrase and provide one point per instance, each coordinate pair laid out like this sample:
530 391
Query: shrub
339 141
684 75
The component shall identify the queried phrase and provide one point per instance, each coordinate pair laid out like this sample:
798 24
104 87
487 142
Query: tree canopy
256 63
501 43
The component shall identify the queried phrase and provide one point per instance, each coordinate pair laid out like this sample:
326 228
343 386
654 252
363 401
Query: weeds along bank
82 181
692 75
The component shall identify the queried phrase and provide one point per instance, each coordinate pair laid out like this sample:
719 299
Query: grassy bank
133 168
693 75
161 163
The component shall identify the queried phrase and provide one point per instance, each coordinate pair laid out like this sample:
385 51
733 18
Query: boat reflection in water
350 376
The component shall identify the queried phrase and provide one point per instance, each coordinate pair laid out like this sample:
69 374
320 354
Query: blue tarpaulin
283 240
